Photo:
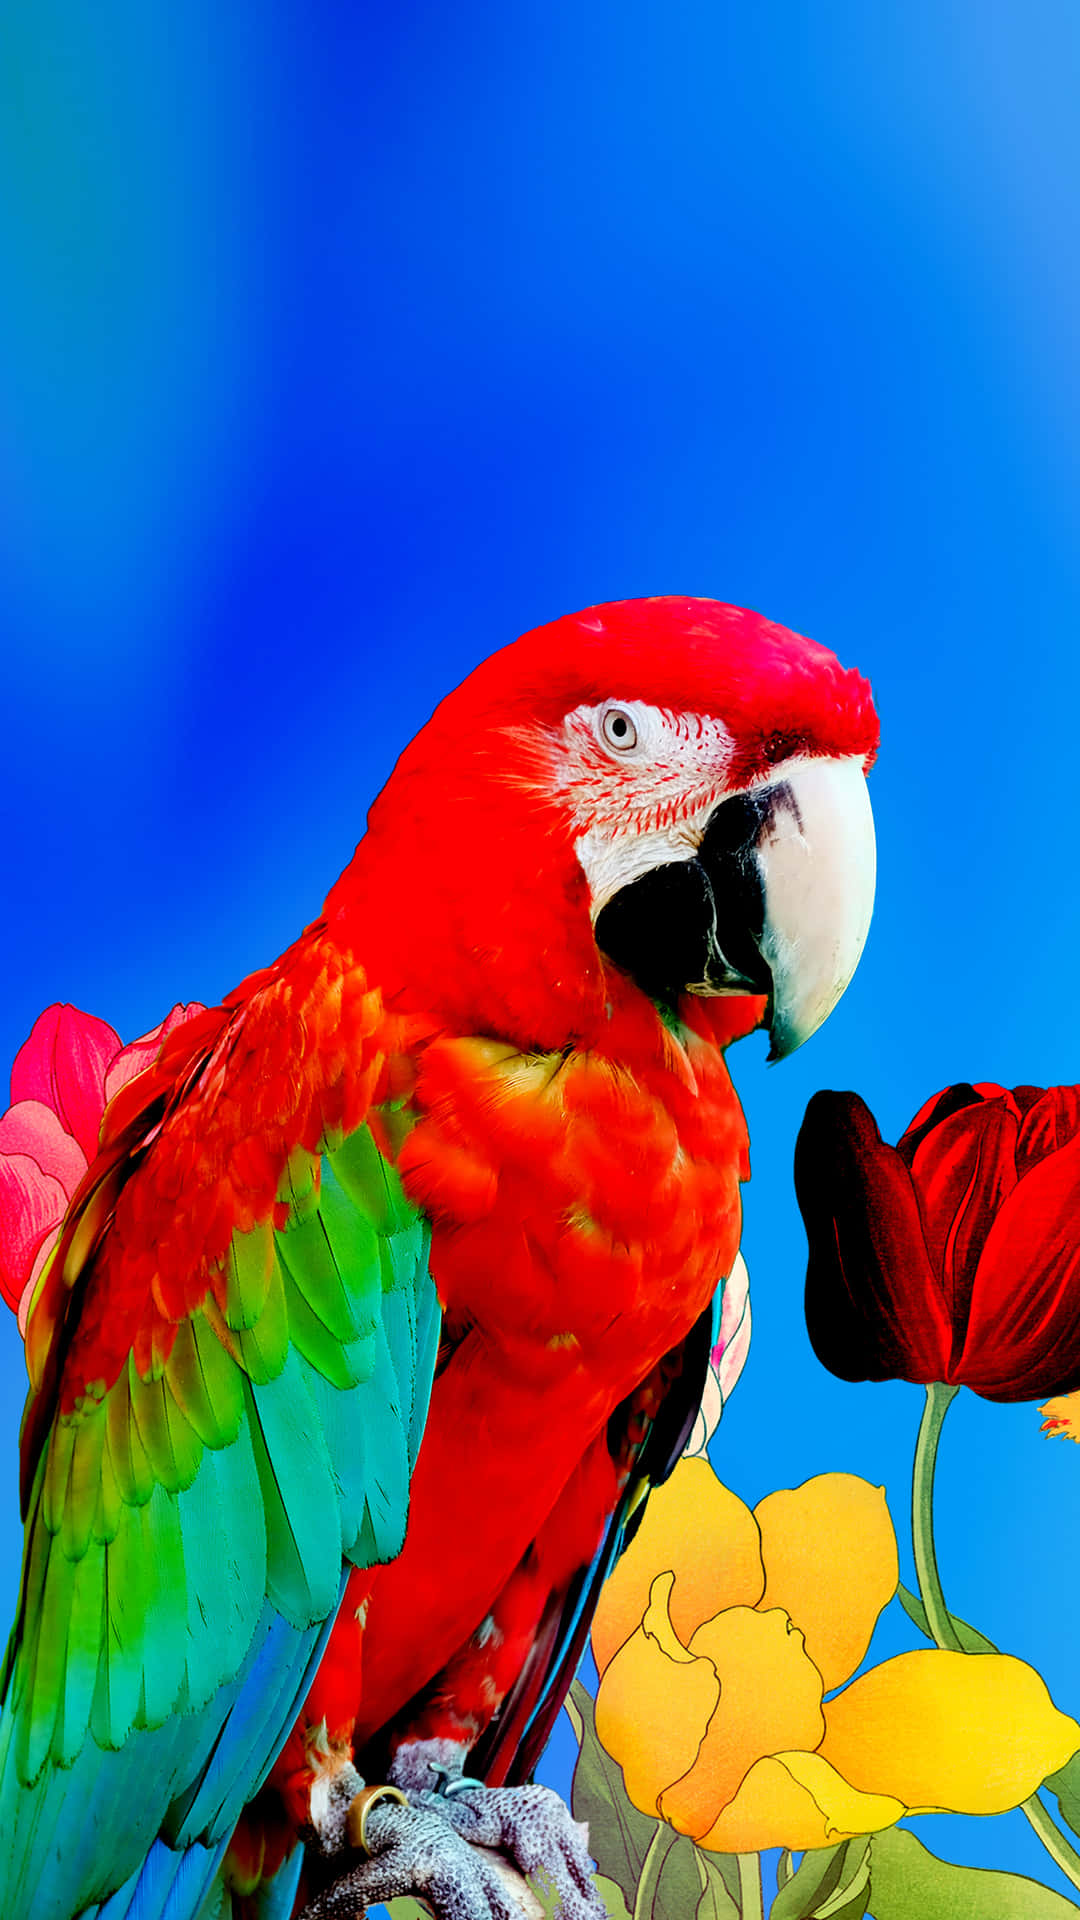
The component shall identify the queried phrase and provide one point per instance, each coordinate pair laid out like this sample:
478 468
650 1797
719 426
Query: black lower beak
693 925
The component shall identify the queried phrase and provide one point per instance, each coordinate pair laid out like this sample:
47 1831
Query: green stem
651 1868
751 1902
1065 1856
939 1399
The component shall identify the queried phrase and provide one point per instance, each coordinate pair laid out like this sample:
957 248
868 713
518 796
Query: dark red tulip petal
1049 1124
63 1065
963 1172
1023 1333
933 1112
873 1306
1019 1097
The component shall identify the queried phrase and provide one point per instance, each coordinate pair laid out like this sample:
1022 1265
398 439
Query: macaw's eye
617 730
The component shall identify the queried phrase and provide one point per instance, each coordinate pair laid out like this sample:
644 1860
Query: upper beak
791 864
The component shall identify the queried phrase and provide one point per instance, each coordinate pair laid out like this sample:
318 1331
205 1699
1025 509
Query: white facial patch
642 783
610 859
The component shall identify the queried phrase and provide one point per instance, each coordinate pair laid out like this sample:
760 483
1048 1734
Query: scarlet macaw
474 1126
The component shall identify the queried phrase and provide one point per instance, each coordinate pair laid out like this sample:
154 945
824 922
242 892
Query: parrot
391 1288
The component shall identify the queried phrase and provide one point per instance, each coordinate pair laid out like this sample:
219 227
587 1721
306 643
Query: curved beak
776 899
803 844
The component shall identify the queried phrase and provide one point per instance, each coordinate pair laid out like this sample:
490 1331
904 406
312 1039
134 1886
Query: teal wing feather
188 1533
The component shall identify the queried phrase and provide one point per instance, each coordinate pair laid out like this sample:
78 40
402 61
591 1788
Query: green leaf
832 1882
406 1909
727 1867
619 1835
907 1882
551 1899
573 1713
815 1880
678 1889
611 1895
971 1640
719 1896
1065 1783
850 1899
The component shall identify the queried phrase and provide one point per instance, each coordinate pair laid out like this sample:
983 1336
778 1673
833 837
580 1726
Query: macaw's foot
530 1826
396 1848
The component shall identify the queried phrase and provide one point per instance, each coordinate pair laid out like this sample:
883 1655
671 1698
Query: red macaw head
672 787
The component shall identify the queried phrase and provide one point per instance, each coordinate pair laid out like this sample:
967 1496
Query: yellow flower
721 1631
1062 1420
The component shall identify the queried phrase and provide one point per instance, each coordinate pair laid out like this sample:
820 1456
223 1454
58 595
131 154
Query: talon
510 1833
463 1783
359 1808
448 1781
413 1851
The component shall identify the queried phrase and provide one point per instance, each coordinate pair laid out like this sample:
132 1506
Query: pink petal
727 1358
32 1205
142 1053
736 1295
40 1258
34 1129
734 1355
733 1343
63 1065
712 1406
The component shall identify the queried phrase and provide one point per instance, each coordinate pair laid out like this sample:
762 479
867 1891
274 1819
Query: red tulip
61 1082
955 1255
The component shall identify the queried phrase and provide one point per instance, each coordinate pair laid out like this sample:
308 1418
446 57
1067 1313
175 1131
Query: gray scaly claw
414 1851
536 1830
529 1826
436 1834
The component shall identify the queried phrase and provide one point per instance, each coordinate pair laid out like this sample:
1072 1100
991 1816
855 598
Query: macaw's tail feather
168 1886
195 1885
54 1834
274 1898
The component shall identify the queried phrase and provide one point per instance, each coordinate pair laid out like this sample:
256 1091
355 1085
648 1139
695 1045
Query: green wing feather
183 1523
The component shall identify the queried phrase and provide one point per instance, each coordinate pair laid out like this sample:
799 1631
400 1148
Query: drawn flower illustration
61 1082
954 1255
727 1358
721 1632
1062 1417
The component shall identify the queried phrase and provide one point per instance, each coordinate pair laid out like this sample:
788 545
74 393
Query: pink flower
61 1082
727 1358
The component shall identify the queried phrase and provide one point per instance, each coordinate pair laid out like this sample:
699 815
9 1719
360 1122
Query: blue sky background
340 345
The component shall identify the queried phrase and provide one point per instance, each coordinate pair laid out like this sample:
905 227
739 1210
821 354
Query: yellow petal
797 1800
654 1703
830 1562
696 1529
969 1733
770 1700
1062 1420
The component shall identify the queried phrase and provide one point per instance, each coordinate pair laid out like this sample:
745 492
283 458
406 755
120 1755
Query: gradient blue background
339 345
